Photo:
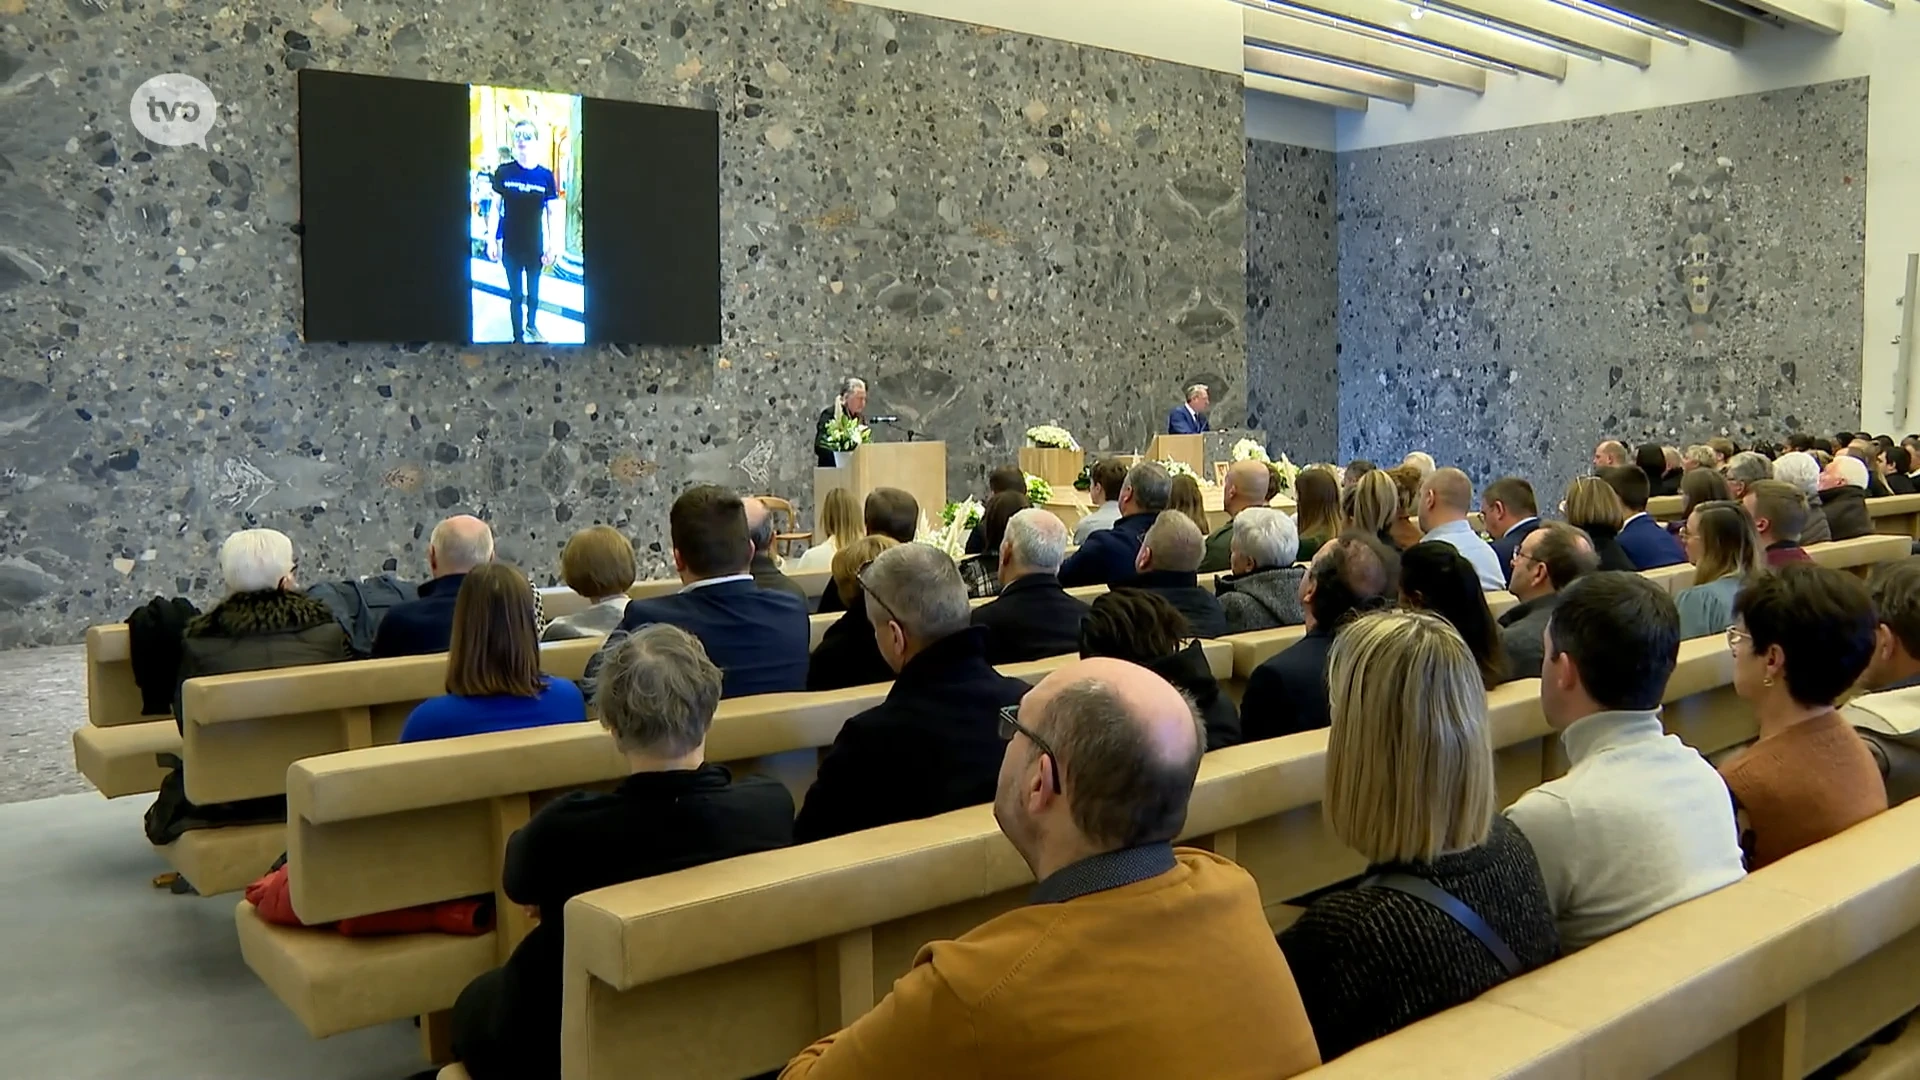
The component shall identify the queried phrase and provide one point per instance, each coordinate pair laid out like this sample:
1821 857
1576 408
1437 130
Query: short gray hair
255 559
1799 469
658 691
1748 466
1267 536
849 384
1196 390
922 587
461 543
1152 487
1174 543
1702 455
1038 539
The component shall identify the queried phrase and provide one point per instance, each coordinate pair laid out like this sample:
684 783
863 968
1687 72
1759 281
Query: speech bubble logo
174 110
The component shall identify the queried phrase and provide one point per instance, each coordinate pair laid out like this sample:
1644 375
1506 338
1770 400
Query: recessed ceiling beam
1339 99
1826 16
1361 50
1560 23
1447 32
1332 76
1696 20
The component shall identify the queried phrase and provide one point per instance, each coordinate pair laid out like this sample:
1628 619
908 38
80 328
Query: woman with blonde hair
1316 497
1725 551
1187 500
598 564
494 681
840 524
1405 531
847 654
1373 505
1410 786
1593 506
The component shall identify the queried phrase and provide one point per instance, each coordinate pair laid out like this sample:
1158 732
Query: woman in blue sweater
493 666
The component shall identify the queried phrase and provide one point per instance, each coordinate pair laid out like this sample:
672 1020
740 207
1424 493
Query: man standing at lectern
851 402
1191 418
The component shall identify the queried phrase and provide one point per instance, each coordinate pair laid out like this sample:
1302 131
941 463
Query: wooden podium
919 468
1190 450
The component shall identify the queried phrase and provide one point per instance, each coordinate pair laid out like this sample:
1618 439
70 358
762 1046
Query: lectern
1188 449
919 468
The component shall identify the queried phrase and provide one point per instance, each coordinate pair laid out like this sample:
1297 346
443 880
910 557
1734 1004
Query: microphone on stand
894 420
886 419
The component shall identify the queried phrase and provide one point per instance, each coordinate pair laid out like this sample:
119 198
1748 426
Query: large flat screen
474 214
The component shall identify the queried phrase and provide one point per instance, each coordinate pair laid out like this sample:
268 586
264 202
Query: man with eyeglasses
1548 560
933 745
1130 957
526 227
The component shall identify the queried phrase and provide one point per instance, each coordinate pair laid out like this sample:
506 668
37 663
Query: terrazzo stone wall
1293 299
1509 299
996 230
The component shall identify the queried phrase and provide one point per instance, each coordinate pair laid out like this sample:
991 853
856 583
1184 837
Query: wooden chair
784 537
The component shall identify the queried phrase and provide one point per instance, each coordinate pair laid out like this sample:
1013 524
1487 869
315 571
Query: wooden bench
1862 552
1896 515
391 827
727 970
1773 976
115 749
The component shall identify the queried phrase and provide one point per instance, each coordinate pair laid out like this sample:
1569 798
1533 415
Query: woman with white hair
1803 472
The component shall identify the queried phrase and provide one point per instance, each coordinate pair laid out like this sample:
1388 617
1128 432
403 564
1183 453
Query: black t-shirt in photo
524 194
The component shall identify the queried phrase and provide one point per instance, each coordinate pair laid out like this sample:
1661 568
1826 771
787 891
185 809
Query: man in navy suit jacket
1191 418
1107 557
1646 544
757 637
1508 510
423 626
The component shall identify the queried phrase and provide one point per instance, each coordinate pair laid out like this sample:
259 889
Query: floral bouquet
1051 437
966 510
952 537
1250 450
1178 468
1284 473
1084 482
1039 492
846 433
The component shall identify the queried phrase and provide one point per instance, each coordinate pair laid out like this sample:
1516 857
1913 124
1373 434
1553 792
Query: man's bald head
1246 486
759 525
1129 747
1451 491
1610 454
459 544
1173 543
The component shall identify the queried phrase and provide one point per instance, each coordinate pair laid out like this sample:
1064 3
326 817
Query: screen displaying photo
491 214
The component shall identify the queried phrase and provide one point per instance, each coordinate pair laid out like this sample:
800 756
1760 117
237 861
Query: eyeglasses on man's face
867 588
1010 726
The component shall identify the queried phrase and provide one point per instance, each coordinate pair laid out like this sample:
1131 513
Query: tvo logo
174 110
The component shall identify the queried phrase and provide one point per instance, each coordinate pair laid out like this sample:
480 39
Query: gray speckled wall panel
1293 299
996 229
1508 299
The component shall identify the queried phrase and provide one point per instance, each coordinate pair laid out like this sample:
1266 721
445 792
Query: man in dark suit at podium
851 402
1191 418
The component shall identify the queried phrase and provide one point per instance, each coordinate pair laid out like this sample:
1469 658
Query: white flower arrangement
1250 450
1052 437
1039 492
1286 472
1178 468
846 433
951 537
967 510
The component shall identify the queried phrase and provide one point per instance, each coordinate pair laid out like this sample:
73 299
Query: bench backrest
1896 515
1861 553
791 944
113 698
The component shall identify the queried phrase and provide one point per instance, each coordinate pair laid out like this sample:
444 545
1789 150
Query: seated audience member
1675 465
1410 786
1317 517
1264 590
1551 558
1640 822
1843 498
891 513
1405 530
1435 577
1033 617
1185 499
1778 511
839 525
1168 555
1510 512
1651 459
1445 498
1003 479
598 564
1107 477
847 654
1911 444
1899 477
493 666
1701 486
658 694
1594 508
1801 636
1842 440
1373 505
1355 469
1803 472
1801 442
982 572
1610 454
1131 958
1887 716
1645 543
1419 461
1144 629
758 636
1107 556
265 620
1700 456
422 626
1744 469
1246 486
1870 454
1723 450
1288 692
765 573
933 745
1725 551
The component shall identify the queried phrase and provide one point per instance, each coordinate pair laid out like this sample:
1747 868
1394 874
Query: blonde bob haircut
1592 502
1375 502
850 560
1409 758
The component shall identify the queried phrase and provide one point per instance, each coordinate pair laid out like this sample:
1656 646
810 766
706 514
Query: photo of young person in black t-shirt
520 200
525 235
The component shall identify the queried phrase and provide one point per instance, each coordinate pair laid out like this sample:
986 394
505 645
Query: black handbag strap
1426 891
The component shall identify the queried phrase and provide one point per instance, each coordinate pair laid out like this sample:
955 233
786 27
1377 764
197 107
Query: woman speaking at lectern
851 402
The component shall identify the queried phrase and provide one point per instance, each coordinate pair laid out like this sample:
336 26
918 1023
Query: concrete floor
43 697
